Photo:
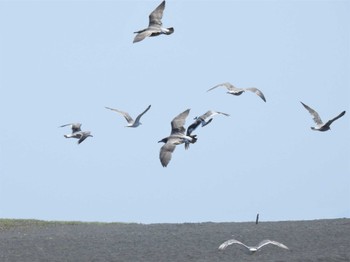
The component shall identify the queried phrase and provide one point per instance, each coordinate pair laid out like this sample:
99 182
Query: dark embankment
32 240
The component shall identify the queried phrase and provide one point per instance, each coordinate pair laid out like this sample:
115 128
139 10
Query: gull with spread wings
238 91
252 249
77 132
320 126
177 137
155 25
129 119
203 120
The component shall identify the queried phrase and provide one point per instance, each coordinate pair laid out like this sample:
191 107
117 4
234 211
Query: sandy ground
31 240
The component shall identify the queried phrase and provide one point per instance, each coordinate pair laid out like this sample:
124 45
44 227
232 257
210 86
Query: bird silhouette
320 126
155 25
177 137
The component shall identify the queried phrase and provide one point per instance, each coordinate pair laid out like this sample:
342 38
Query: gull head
164 140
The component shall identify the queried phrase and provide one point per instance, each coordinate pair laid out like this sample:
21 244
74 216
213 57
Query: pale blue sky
64 61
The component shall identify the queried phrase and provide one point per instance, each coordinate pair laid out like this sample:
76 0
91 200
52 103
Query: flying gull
238 91
155 25
177 137
320 126
131 121
77 133
252 249
203 120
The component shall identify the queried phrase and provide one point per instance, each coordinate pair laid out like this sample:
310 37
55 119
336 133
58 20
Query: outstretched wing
140 115
314 114
329 122
267 241
75 127
83 136
155 18
142 35
212 113
193 126
125 114
177 124
256 91
208 114
166 152
230 242
227 85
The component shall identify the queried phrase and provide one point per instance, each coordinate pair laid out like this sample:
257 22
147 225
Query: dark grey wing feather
83 136
329 122
142 35
140 115
155 18
178 122
193 126
166 152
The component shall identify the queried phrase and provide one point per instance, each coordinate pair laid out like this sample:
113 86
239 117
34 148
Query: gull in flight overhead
320 126
155 25
238 91
77 133
177 137
252 249
204 119
129 119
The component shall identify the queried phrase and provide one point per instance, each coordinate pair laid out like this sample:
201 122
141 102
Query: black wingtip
170 30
